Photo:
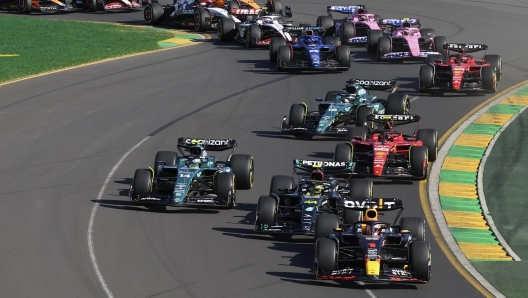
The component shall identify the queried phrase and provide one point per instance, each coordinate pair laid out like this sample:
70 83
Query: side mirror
288 12
338 230
318 99
281 189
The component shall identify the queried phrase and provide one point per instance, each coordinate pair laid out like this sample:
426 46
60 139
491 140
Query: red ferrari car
459 71
386 153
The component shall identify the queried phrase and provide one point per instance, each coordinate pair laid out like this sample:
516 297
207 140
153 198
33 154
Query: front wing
395 275
188 201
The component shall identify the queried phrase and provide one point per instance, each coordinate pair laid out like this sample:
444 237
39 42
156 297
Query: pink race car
405 40
351 29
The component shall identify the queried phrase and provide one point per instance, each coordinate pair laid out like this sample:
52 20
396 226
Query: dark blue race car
311 52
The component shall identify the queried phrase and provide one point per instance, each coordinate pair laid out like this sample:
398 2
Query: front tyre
243 168
224 187
202 20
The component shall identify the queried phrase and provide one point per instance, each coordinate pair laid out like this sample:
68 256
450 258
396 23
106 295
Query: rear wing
298 30
371 84
394 120
344 9
328 167
415 23
380 204
208 144
465 47
246 11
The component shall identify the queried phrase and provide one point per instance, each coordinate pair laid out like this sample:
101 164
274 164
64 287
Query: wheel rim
251 171
147 13
22 4
248 39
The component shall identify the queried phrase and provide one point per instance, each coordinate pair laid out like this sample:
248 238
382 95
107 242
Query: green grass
46 45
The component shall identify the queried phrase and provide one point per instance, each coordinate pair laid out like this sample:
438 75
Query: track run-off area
72 140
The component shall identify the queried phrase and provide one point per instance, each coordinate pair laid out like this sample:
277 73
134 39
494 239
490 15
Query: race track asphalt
63 133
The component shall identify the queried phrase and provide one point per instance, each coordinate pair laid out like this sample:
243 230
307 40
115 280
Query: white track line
414 98
369 292
434 198
91 249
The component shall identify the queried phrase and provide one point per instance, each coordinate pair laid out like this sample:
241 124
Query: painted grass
46 45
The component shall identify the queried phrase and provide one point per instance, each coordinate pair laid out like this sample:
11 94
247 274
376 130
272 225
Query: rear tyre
266 211
253 36
489 82
243 168
359 188
415 225
297 115
343 153
429 138
281 181
275 6
384 45
326 255
427 32
496 62
224 187
418 159
275 43
141 185
327 23
398 104
372 40
152 13
420 259
343 56
202 20
226 30
325 224
232 5
348 31
330 95
356 131
24 6
168 157
284 57
362 113
425 80
439 42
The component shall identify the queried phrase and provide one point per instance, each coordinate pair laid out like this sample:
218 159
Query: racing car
340 109
351 29
47 6
372 250
386 153
292 208
405 41
196 179
460 71
310 52
261 31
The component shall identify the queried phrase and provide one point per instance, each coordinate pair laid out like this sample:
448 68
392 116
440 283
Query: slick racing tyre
226 30
439 42
326 254
384 47
431 58
425 81
325 224
429 138
24 6
202 20
361 116
398 104
415 225
253 36
152 13
243 168
330 96
284 57
496 62
232 5
224 187
347 32
361 189
356 131
372 40
91 6
327 23
275 6
418 160
281 181
141 185
343 153
297 115
427 32
489 79
343 56
420 259
168 157
266 211
275 43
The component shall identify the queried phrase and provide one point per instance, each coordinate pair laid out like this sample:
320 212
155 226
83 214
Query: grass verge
30 46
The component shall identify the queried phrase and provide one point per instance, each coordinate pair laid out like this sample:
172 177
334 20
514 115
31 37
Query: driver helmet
361 10
195 163
318 190
376 230
406 32
267 20
317 175
309 32
345 99
362 18
406 25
